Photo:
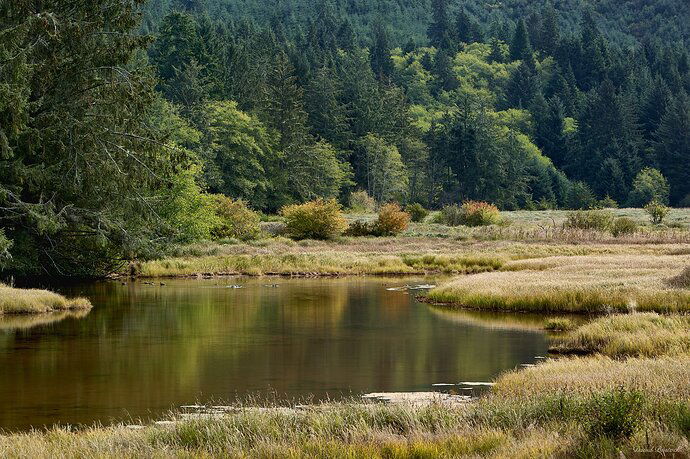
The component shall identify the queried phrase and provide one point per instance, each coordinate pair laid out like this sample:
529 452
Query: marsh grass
634 335
558 324
579 284
323 263
33 301
534 417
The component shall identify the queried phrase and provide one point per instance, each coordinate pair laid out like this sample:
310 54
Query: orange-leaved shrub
319 219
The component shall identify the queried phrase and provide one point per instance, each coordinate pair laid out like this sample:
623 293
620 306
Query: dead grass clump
682 280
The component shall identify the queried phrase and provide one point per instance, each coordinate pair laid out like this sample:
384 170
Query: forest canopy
120 119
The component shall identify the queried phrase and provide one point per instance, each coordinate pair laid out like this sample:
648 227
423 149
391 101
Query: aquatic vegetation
558 324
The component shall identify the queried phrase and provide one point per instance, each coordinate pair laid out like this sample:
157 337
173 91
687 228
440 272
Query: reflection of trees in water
151 347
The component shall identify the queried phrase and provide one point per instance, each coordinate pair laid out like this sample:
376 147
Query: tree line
113 140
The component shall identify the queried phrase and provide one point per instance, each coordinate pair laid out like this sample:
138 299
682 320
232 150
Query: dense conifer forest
120 119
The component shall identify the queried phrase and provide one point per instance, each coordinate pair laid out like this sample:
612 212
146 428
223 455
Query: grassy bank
635 335
594 407
580 284
32 301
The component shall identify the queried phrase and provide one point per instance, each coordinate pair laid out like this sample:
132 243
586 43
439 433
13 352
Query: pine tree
439 31
381 61
550 31
522 86
673 148
520 47
447 81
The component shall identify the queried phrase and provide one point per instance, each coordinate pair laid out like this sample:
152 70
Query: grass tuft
33 301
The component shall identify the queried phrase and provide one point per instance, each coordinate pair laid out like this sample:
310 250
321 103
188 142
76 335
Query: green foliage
81 167
657 212
608 203
581 196
241 155
649 185
360 201
235 220
5 245
190 213
600 220
623 226
417 212
384 170
319 219
615 414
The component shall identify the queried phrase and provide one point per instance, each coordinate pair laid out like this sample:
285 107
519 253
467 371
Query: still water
145 349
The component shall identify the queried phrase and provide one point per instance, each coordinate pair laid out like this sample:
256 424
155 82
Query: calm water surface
145 349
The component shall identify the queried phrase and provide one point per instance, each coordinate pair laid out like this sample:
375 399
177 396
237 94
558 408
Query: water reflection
146 348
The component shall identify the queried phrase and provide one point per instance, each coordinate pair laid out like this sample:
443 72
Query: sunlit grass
33 301
589 284
324 263
636 335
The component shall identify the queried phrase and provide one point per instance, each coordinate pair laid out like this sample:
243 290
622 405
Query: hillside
623 21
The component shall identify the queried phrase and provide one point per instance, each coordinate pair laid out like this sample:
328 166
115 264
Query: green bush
600 220
235 220
417 212
615 414
580 196
319 219
608 203
623 226
649 185
360 201
471 213
657 212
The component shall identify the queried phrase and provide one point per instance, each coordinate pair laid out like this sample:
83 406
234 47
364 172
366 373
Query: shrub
235 220
608 203
359 228
451 215
657 212
318 219
623 226
360 201
471 213
417 212
392 220
615 414
477 213
649 185
600 220
580 196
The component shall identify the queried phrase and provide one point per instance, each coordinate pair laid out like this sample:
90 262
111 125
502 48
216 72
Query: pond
145 349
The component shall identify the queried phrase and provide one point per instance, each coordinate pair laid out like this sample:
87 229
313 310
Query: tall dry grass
634 335
33 301
580 284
